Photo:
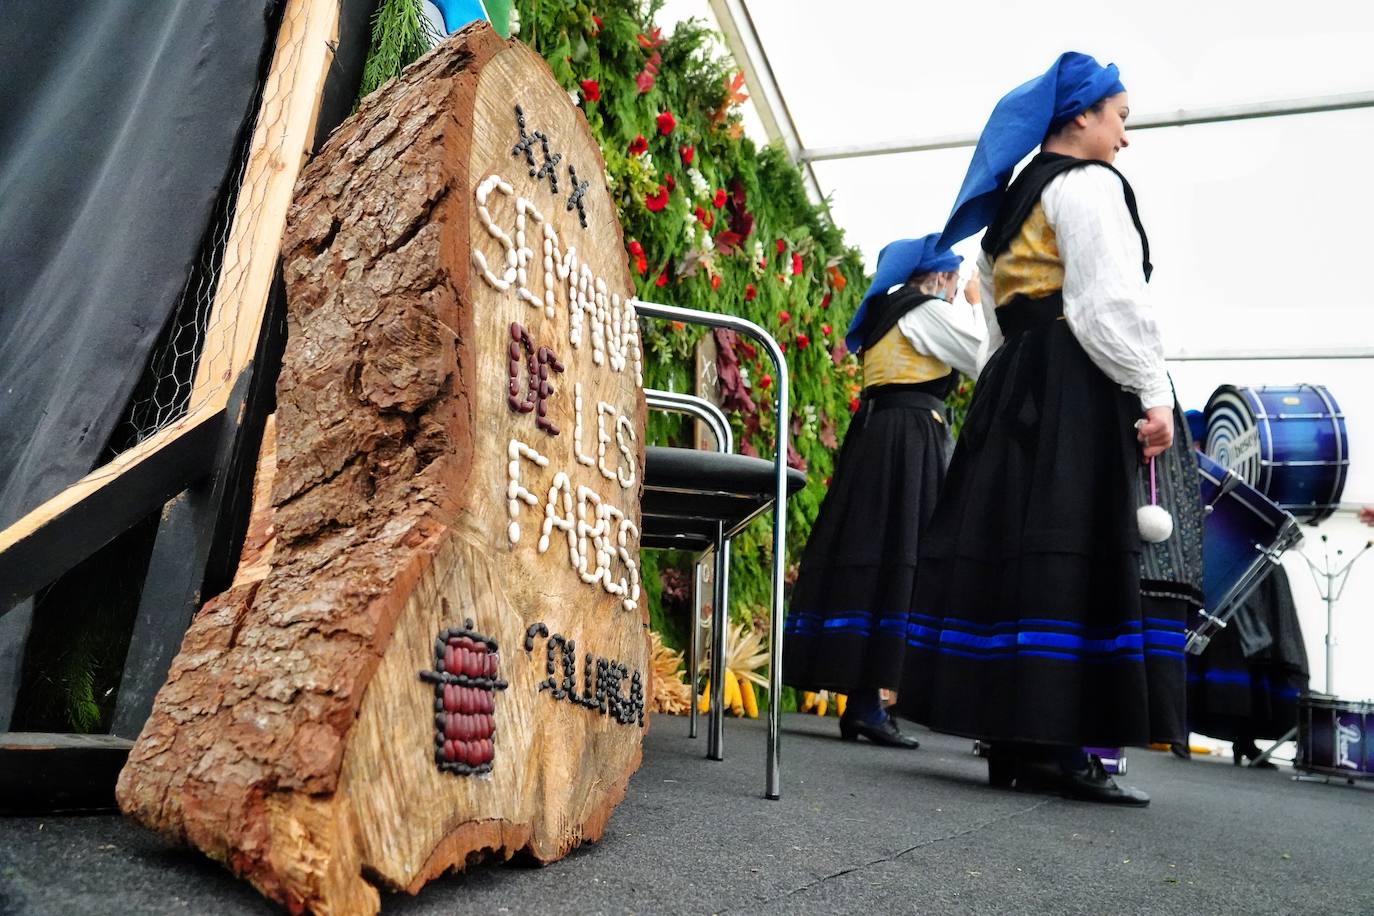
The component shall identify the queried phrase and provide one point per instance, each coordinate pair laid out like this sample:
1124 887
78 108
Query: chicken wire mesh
192 363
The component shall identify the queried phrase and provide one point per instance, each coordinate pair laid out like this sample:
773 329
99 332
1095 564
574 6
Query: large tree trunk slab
435 650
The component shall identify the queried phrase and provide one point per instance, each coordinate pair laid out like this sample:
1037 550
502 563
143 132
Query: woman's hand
1155 432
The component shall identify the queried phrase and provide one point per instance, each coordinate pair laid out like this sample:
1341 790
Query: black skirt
851 604
1030 622
1248 681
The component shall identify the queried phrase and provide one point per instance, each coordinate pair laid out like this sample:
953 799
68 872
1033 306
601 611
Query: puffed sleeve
1106 300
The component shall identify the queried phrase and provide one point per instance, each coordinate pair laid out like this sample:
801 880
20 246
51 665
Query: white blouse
949 331
1106 300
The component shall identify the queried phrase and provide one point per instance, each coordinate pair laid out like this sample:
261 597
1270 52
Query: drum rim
1259 417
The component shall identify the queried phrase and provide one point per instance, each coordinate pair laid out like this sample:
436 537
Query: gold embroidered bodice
894 361
1031 265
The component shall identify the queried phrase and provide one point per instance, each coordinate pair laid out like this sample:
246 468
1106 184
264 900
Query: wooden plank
59 773
201 532
281 143
88 516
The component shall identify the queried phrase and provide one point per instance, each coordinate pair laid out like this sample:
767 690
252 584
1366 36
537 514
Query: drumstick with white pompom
1154 521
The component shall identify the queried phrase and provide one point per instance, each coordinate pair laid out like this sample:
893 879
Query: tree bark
383 694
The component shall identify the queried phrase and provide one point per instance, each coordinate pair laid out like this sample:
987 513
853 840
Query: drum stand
1335 580
1330 583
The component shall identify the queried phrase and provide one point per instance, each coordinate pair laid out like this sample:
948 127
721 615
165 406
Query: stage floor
859 828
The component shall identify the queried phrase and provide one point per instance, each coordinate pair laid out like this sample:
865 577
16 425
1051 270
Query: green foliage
400 34
807 312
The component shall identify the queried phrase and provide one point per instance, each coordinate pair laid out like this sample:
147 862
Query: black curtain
118 125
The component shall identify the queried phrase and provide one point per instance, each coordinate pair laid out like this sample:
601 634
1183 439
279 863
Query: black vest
1024 193
885 310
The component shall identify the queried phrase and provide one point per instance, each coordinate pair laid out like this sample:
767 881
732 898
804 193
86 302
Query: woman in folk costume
846 629
1044 620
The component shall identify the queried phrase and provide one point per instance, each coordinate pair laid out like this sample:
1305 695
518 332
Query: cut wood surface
435 649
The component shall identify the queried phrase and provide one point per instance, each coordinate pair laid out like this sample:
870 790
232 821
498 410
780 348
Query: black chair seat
687 492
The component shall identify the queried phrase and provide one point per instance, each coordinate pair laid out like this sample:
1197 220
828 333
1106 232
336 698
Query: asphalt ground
859 829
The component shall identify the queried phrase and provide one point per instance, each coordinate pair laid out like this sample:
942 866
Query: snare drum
1336 736
1289 442
1243 535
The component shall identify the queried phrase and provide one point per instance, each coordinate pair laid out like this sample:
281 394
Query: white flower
576 99
514 21
698 182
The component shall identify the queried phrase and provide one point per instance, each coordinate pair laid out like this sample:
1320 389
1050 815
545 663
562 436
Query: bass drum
1288 442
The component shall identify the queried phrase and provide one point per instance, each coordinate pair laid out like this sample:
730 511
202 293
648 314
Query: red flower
749 350
657 200
718 200
763 263
750 292
715 281
688 154
666 122
597 20
591 90
637 252
635 248
796 264
825 329
765 381
782 345
662 278
645 80
779 245
803 341
706 219
853 405
825 301
668 182
784 316
638 145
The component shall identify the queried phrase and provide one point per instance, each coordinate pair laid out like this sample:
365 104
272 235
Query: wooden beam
106 507
57 773
281 144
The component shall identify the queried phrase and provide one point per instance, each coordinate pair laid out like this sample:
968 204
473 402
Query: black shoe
1181 750
1002 767
1093 784
1090 783
887 734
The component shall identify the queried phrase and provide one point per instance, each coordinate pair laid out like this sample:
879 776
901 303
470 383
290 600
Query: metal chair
694 500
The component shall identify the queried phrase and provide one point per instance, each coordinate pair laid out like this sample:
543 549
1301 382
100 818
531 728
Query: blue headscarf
1072 85
896 262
